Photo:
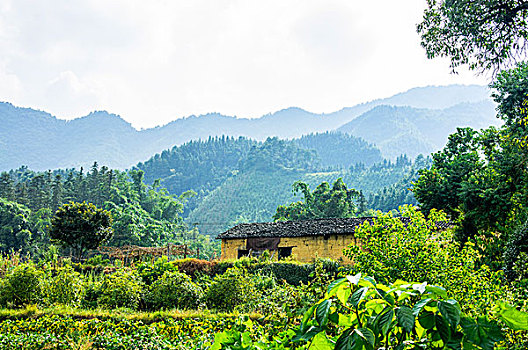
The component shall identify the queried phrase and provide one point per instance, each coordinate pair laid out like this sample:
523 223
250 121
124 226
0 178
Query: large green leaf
443 328
347 320
307 315
367 281
384 320
343 293
366 336
358 295
405 318
355 339
321 342
420 305
515 319
389 298
376 305
437 290
348 340
307 335
334 286
322 311
481 332
427 319
450 309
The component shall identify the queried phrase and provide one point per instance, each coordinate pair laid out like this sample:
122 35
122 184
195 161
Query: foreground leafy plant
417 250
359 313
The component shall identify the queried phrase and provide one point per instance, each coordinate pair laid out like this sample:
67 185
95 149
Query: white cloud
154 61
69 96
10 85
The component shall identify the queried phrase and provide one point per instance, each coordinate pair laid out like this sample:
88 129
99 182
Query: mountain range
416 121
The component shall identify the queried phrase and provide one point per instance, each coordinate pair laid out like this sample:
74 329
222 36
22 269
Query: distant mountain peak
103 117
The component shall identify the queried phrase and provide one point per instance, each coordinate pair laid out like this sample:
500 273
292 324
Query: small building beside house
304 240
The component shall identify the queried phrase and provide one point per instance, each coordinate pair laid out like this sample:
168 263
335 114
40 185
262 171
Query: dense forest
338 150
142 215
240 180
232 180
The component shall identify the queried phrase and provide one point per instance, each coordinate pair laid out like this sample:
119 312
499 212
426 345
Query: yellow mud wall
230 248
305 249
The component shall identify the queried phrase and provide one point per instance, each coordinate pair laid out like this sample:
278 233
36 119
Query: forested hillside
232 179
202 166
40 141
412 131
253 196
339 150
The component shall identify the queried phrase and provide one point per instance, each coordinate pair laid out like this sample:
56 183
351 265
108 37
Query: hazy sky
155 61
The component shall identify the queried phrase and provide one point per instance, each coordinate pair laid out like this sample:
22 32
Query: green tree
57 193
324 202
81 226
481 177
441 186
7 187
14 226
416 250
485 35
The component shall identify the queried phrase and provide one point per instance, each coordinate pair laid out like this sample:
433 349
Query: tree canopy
486 35
481 177
81 226
14 226
324 202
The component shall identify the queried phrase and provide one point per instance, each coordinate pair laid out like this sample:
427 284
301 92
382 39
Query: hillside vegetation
413 131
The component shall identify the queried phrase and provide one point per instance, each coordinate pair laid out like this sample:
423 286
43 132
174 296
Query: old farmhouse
305 240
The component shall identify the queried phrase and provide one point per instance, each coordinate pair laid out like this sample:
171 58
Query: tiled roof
302 228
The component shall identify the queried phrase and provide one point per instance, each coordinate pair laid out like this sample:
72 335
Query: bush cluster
174 290
244 285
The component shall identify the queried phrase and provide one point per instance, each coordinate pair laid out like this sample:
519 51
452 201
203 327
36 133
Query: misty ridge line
413 122
398 99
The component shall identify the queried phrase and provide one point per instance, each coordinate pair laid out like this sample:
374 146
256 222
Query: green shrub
63 285
418 251
357 312
91 293
97 260
291 272
174 290
230 290
21 286
124 288
149 272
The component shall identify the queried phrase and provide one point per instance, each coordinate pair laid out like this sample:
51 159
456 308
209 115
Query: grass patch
120 314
